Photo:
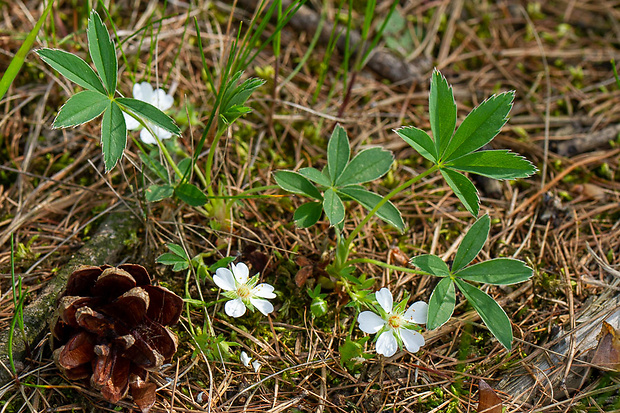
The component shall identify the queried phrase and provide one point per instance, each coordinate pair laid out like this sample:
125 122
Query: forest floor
556 55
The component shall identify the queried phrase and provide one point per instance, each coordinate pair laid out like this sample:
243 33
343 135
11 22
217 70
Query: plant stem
385 199
385 265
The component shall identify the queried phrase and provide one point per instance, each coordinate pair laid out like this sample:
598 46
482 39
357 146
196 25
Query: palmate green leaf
315 176
420 141
333 207
234 98
491 313
178 263
368 165
241 93
441 304
156 193
149 113
73 68
308 214
463 188
190 194
432 264
472 243
81 108
480 126
113 135
102 52
441 110
387 212
178 250
497 164
498 271
338 153
297 184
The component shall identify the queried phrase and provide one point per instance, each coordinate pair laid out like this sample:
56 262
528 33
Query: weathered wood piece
105 247
559 369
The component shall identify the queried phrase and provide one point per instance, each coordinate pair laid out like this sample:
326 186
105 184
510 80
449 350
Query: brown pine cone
110 327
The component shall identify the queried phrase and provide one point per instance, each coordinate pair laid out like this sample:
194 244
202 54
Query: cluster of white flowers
158 98
243 291
394 328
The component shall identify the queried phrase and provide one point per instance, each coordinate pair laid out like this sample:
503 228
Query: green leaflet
102 52
113 135
472 243
441 304
81 108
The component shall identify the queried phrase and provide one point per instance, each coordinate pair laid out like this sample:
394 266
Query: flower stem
384 265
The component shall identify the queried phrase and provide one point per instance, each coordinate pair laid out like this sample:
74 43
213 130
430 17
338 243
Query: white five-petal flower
158 98
394 327
243 291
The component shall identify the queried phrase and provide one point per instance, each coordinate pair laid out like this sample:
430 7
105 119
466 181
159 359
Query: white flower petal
130 122
263 306
143 91
385 300
263 290
146 137
417 313
241 272
161 100
387 344
370 322
224 279
412 339
245 359
235 308
256 364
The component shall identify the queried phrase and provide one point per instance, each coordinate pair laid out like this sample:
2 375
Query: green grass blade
18 60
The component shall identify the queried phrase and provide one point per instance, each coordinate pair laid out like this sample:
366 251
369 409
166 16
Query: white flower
245 359
243 291
158 98
256 364
394 327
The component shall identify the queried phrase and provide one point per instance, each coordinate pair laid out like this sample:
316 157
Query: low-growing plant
451 153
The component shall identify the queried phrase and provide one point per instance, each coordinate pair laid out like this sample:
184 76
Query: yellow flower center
243 291
395 321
